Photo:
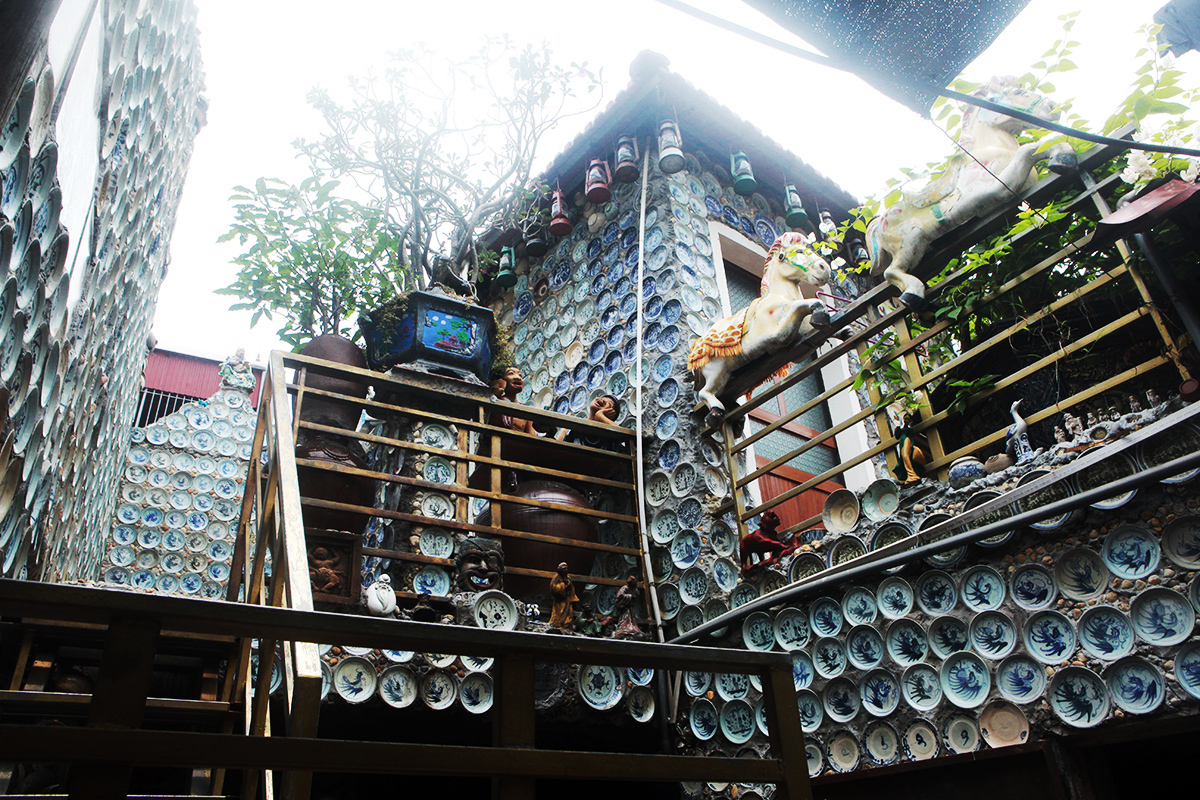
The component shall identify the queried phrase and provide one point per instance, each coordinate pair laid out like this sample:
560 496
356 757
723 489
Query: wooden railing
113 742
875 314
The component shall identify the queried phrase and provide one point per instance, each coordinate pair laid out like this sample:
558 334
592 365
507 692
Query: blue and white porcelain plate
805 565
354 679
439 689
669 601
841 700
1181 542
685 549
475 692
921 687
693 586
906 642
960 734
864 647
758 631
1187 668
825 617
1033 587
1105 633
1078 697
436 543
737 721
846 549
948 635
829 657
431 580
895 598
696 683
879 692
936 593
725 572
844 752
742 594
982 589
1080 574
1131 552
664 526
731 685
600 686
640 703
398 686
965 680
858 606
1050 637
1136 685
993 635
920 741
811 710
803 671
1162 617
882 743
702 719
791 629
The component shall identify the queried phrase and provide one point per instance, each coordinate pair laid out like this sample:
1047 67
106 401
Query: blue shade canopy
907 49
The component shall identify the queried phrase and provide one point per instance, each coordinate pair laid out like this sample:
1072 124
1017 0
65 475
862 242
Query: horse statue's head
1006 91
794 258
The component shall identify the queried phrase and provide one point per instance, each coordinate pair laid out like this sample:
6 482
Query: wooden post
912 365
119 701
739 504
786 735
513 721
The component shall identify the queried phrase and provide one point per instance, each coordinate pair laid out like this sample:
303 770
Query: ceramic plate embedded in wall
439 689
702 718
476 692
1131 552
431 580
1003 724
993 635
791 629
1162 617
1181 541
1136 685
829 657
640 703
895 598
1050 637
693 586
858 606
805 565
354 679
906 642
982 589
1105 633
825 617
921 687
1078 697
864 647
920 741
936 593
731 685
1187 668
840 699
844 752
737 721
965 680
1033 587
960 734
879 692
398 686
1080 574
948 635
758 631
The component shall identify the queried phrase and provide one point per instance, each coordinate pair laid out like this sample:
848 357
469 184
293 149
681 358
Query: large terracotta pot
552 522
333 486
324 411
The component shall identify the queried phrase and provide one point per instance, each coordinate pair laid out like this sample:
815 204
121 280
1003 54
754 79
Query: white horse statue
778 318
898 238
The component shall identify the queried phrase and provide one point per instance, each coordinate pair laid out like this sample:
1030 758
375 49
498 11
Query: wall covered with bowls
74 334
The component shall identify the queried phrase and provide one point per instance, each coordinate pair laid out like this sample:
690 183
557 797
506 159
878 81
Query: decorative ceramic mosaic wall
180 498
73 373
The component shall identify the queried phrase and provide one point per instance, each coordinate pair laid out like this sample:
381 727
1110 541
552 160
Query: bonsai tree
312 257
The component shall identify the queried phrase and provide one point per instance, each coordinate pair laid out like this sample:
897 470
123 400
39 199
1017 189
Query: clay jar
548 521
324 485
327 411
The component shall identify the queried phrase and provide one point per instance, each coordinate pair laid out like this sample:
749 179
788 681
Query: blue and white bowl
696 684
982 589
1105 633
993 635
829 657
1187 668
731 685
1081 574
1162 617
921 687
864 647
1136 685
895 598
758 631
811 711
476 692
354 679
1033 587
1050 637
879 692
948 635
920 741
737 721
600 686
858 606
1020 679
803 671
791 629
398 686
1078 697
1131 552
825 617
841 700
1181 542
844 752
703 720
640 703
936 593
965 680
906 642
882 743
960 734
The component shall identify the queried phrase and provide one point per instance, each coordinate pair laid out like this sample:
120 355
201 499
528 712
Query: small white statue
1018 437
381 597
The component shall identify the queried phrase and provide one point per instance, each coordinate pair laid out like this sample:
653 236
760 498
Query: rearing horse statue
778 318
898 238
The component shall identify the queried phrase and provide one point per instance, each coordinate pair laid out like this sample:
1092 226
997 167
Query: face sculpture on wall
480 565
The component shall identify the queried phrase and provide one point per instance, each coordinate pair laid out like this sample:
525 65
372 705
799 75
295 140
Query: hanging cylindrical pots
670 147
597 180
536 245
627 170
506 276
560 222
796 215
827 226
743 175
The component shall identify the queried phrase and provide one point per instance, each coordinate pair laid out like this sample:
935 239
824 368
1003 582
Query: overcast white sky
262 57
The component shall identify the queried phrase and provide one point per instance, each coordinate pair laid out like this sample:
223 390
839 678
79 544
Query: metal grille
155 404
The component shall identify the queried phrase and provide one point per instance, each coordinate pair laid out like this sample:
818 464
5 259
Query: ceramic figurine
1152 398
480 565
533 612
963 471
627 597
381 597
779 318
587 623
912 450
1060 435
1113 414
327 569
563 599
1017 443
236 371
899 237
1091 420
1073 424
1134 406
507 383
765 542
606 410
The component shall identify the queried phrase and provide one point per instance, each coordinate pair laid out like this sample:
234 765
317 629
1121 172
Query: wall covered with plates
574 317
180 498
74 331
